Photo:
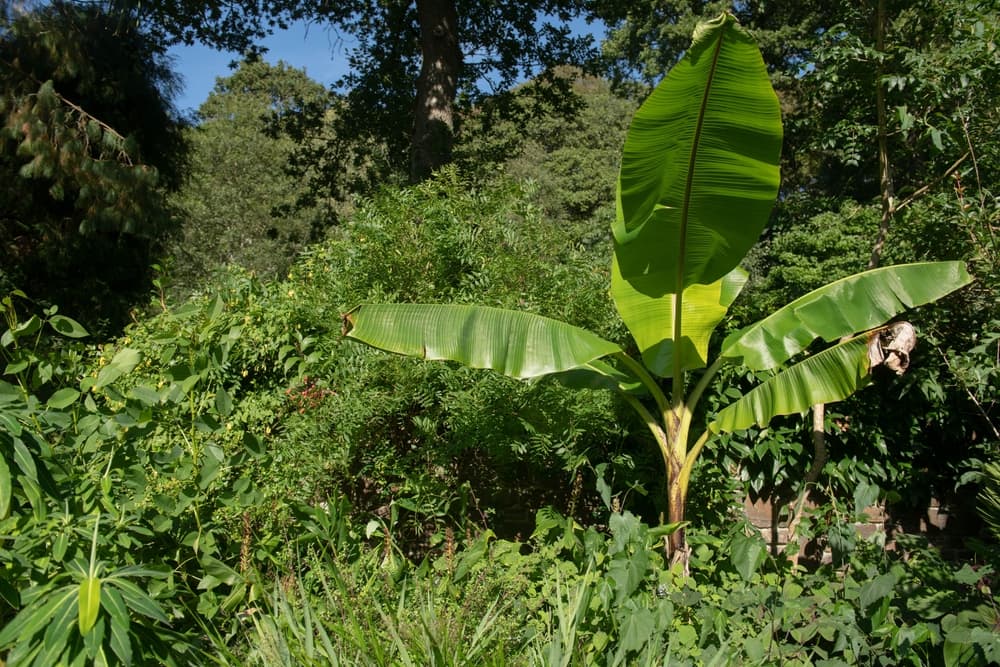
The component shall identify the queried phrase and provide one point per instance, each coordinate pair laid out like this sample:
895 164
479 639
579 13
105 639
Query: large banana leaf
828 376
857 303
651 319
699 170
520 345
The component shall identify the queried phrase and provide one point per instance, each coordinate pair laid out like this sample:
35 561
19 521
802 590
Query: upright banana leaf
520 345
826 377
856 303
699 170
651 318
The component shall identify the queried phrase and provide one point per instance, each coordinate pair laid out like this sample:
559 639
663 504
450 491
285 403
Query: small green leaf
31 619
67 326
472 555
63 398
210 468
59 631
138 601
121 644
748 553
24 460
865 495
122 363
936 139
10 424
144 394
875 589
637 626
28 327
6 489
666 529
89 603
59 546
16 367
223 402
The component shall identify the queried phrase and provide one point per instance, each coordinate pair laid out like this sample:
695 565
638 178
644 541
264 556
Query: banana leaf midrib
678 369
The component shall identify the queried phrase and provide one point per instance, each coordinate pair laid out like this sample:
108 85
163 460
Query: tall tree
89 144
240 203
415 63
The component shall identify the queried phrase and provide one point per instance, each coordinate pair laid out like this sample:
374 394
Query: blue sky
317 49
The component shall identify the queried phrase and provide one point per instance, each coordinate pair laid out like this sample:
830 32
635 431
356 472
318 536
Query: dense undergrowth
232 482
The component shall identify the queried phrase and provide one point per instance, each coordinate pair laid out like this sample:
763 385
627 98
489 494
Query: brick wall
946 524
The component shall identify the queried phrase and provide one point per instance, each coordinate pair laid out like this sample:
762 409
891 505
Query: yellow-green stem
654 427
689 461
647 381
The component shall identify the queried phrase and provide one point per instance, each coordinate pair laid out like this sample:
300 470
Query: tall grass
357 614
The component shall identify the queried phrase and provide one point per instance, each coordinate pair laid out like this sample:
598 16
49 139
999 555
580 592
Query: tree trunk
434 115
888 192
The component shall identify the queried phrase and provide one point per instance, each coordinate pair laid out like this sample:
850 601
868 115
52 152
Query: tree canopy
91 141
416 63
242 204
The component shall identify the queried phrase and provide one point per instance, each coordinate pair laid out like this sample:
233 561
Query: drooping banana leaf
651 319
699 171
856 303
520 345
599 374
826 377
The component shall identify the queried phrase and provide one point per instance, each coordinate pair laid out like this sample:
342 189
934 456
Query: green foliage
582 596
154 435
704 145
241 203
573 159
67 460
935 65
418 434
88 147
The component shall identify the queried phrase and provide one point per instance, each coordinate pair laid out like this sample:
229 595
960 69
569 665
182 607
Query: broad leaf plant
699 177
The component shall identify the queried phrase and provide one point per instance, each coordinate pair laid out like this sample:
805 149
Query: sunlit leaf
517 344
121 364
844 307
223 402
138 600
6 489
121 644
826 377
748 553
67 326
89 603
63 398
699 172
651 319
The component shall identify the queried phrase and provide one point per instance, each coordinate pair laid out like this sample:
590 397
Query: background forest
196 467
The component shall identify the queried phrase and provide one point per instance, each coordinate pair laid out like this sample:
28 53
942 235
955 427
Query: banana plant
699 177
